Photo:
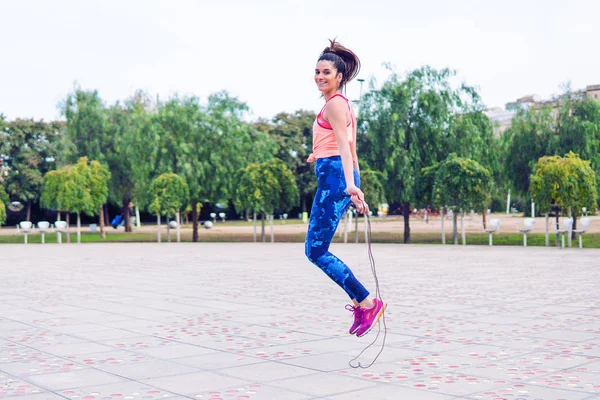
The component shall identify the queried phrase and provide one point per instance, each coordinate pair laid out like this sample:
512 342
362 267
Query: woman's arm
353 144
336 114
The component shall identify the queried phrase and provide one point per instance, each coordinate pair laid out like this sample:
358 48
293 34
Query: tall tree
29 153
578 125
530 137
207 146
131 152
86 132
407 125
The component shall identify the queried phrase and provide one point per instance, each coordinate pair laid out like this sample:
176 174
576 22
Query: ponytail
345 61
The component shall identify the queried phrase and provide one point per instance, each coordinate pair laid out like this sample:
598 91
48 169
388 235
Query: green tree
564 183
265 187
461 183
86 132
529 138
60 191
170 194
408 125
132 151
578 125
293 135
29 152
207 146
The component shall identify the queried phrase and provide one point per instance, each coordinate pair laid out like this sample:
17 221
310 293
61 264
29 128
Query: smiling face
327 77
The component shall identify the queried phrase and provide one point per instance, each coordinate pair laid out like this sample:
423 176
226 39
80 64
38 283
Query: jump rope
378 295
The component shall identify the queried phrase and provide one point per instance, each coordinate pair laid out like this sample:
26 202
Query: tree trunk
138 224
484 222
106 215
271 228
557 228
406 215
68 233
195 221
101 222
303 203
262 226
168 230
442 222
462 226
454 227
58 216
158 227
254 214
78 228
178 220
28 210
573 234
125 211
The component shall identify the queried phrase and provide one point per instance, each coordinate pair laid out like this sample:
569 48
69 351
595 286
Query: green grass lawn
501 239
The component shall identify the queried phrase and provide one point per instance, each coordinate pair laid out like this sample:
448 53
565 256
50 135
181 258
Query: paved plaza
259 322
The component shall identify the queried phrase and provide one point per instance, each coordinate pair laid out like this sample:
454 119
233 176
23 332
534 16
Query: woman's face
326 76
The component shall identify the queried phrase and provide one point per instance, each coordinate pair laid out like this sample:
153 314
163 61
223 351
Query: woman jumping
337 171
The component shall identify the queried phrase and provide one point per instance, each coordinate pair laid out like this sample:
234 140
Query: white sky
264 51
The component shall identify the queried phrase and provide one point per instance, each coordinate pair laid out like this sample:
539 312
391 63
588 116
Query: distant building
502 118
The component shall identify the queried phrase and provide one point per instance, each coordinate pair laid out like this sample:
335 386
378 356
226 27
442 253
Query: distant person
337 171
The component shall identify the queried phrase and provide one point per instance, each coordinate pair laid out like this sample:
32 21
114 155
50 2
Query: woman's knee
312 253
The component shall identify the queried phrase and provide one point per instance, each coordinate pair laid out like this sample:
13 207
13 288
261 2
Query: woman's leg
329 205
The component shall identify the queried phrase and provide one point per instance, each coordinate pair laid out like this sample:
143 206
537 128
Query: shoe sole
376 320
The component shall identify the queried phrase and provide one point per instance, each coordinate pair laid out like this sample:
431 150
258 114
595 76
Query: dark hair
343 59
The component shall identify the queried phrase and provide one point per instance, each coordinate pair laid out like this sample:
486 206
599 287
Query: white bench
527 227
43 227
567 225
493 226
25 227
584 224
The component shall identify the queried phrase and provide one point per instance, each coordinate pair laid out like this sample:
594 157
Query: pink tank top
324 143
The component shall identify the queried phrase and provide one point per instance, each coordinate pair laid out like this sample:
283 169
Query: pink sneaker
370 317
358 312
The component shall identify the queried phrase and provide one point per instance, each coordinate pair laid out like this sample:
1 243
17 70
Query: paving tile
192 384
130 390
251 392
40 365
453 384
266 372
174 351
75 348
527 392
40 396
13 386
71 379
323 384
391 392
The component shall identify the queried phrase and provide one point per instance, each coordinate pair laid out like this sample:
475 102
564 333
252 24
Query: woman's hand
358 198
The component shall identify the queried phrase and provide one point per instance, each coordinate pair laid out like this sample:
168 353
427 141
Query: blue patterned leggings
330 203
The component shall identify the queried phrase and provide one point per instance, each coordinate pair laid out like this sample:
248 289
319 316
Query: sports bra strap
347 103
